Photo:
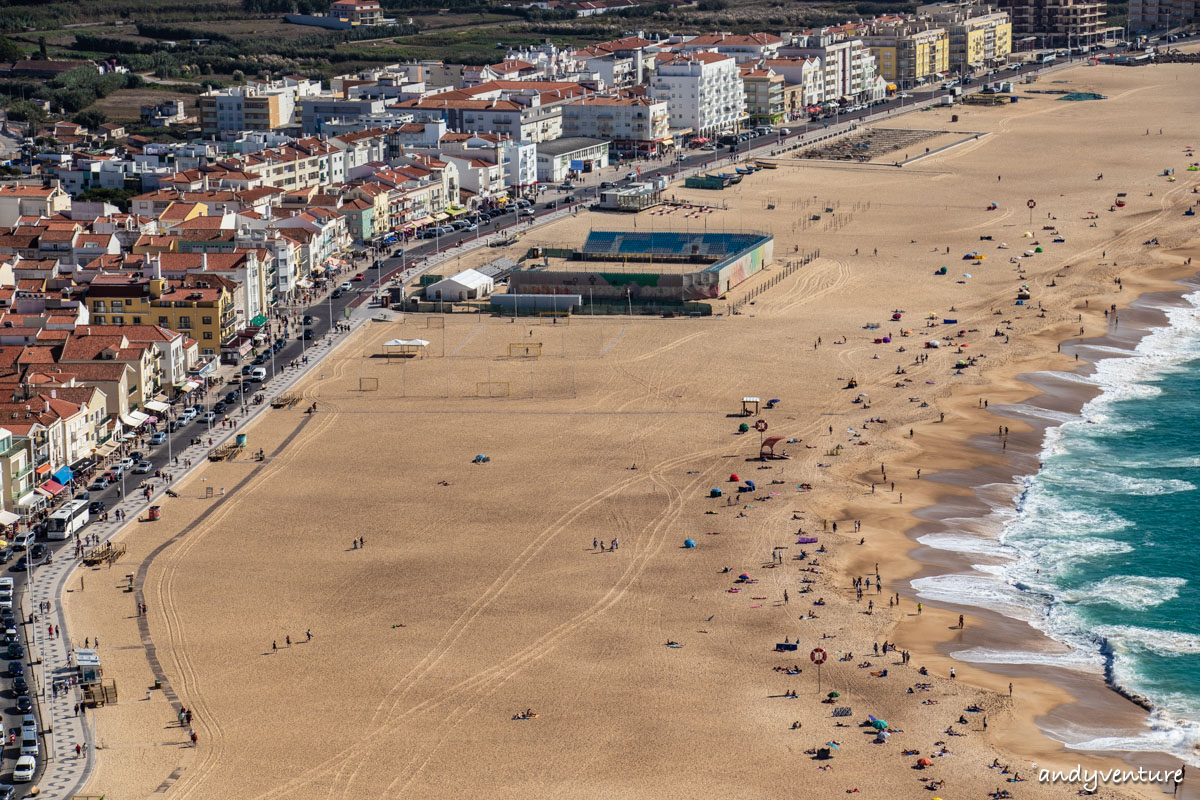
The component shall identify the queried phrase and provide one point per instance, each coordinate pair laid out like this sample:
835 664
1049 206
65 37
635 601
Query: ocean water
1100 551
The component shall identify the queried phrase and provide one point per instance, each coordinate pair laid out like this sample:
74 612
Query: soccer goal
525 350
554 317
492 389
435 322
368 384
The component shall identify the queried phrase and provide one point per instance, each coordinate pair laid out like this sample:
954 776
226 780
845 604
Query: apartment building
764 95
805 73
980 36
1058 23
527 111
357 12
635 126
909 53
257 106
745 49
1148 15
848 65
703 92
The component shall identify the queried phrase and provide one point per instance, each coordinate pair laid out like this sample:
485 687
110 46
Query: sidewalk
65 773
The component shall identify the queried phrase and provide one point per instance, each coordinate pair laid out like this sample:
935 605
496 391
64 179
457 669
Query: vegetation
10 51
118 197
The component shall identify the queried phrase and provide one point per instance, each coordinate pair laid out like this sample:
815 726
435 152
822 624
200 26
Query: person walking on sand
308 635
960 622
918 609
274 647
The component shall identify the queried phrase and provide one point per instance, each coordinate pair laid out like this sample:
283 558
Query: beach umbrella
833 694
923 762
879 724
884 736
689 543
966 274
743 428
744 577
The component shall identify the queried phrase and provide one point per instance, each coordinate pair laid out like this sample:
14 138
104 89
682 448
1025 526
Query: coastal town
398 252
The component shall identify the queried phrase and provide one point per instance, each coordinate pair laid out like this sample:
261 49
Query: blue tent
714 492
750 485
689 543
63 475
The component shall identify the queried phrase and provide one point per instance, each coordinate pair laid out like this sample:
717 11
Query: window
118 320
118 305
206 320
208 335
185 322
164 322
99 320
137 320
98 307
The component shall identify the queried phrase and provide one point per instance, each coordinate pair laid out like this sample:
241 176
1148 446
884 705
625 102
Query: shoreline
480 680
1048 391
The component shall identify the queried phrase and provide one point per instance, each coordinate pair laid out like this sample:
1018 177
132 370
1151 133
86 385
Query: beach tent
734 478
743 428
751 485
806 540
715 492
689 543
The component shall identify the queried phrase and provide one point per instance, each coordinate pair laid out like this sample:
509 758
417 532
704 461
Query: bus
67 520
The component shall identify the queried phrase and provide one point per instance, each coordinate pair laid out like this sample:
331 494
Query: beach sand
478 593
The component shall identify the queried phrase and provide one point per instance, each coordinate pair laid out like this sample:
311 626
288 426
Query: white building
849 67
703 91
745 49
804 72
466 285
635 125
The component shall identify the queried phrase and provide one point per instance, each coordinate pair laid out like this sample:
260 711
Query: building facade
703 91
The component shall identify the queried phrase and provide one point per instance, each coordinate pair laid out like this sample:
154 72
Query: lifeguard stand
750 406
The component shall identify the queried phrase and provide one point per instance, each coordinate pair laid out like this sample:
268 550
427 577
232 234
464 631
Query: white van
24 541
259 373
23 772
29 743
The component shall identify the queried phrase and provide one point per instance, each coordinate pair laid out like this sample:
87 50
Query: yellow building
980 36
201 307
242 108
909 54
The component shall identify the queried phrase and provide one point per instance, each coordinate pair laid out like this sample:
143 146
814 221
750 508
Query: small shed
750 406
469 284
87 664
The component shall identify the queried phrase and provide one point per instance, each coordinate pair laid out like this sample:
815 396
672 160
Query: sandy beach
481 591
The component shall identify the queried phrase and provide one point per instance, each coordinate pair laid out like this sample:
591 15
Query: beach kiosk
91 678
750 406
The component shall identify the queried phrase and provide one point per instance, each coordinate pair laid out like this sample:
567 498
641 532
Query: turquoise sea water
1101 551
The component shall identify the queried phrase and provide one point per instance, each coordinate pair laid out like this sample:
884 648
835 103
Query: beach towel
842 711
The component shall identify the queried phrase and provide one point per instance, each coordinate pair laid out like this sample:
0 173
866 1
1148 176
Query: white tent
467 285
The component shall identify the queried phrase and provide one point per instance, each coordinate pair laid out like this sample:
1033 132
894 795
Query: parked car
37 552
158 438
219 407
470 226
338 292
173 425
96 506
26 766
142 467
11 634
98 485
21 566
259 374
231 398
20 685
16 667
127 462
207 418
308 333
28 723
6 555
309 319
14 649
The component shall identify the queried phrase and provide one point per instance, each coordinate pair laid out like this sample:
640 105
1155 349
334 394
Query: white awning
160 407
191 386
134 418
31 499
406 343
7 517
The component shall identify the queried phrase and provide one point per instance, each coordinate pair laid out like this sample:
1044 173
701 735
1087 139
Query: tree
239 76
42 48
10 51
90 119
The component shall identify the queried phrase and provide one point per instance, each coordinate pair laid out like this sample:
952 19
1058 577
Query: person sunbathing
820 601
